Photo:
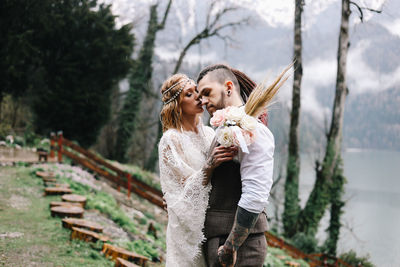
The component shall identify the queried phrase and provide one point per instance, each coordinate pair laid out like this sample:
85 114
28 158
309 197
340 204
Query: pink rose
248 137
218 118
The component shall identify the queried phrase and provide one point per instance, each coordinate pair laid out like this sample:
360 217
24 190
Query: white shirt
256 169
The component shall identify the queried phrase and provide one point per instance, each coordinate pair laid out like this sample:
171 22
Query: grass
44 241
278 258
107 205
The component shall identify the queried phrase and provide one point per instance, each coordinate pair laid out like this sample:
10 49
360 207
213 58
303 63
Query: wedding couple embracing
216 183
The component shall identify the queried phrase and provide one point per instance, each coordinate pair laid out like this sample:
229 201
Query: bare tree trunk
292 206
212 28
319 199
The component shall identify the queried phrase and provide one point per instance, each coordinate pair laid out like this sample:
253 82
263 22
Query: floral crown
184 81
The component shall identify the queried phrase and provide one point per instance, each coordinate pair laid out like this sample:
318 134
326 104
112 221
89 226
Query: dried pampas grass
261 96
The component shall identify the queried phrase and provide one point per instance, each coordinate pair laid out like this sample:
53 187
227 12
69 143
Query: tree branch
162 24
210 30
360 10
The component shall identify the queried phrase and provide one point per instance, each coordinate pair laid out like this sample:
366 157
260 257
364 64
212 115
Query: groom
235 220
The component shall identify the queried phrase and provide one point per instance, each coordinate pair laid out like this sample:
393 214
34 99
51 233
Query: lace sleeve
186 197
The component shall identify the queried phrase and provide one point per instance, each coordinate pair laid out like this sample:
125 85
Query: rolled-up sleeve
256 169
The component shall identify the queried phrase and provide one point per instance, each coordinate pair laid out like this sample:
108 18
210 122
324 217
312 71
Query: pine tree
82 56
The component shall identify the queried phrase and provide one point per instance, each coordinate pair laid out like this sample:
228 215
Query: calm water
372 213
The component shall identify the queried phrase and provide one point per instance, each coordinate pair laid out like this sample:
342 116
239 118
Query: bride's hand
218 155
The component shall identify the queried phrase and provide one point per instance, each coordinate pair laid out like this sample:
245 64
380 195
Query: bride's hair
171 112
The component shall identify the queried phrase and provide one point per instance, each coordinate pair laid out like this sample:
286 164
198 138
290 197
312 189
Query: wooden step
74 199
67 211
117 252
57 191
63 203
124 263
292 263
45 174
82 223
54 184
50 180
87 235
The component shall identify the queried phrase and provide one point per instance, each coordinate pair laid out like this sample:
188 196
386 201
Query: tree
328 187
212 28
140 81
292 202
82 56
19 56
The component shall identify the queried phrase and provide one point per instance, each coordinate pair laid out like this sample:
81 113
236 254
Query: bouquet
236 125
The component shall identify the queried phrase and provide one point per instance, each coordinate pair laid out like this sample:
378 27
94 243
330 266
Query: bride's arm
172 163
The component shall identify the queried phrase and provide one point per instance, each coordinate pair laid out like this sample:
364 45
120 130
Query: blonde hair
171 113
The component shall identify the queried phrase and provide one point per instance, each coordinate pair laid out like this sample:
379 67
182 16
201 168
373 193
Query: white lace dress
181 158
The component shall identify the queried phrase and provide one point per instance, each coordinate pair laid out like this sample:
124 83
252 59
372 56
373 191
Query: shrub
304 242
352 258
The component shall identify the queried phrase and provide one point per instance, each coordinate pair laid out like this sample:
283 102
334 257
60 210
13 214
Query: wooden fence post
52 144
129 176
60 146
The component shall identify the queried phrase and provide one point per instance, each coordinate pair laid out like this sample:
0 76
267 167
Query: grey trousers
251 254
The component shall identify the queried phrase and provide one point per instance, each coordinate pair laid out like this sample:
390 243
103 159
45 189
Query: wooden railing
312 259
131 183
93 162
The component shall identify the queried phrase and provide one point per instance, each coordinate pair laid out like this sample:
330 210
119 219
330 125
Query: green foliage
47 242
352 258
140 174
67 56
319 198
144 248
278 258
337 204
292 201
306 243
140 81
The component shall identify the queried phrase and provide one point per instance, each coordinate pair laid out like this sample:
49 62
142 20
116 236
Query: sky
318 22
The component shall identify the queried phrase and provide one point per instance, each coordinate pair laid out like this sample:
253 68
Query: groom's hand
226 257
218 155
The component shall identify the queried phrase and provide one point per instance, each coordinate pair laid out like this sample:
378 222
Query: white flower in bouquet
234 114
226 137
248 123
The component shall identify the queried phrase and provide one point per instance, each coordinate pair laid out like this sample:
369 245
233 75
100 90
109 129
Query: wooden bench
67 211
74 199
57 191
42 155
124 263
82 223
117 252
87 235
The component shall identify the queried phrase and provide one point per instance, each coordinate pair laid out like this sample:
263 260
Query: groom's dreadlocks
246 85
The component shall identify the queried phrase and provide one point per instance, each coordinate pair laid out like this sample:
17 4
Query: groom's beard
219 105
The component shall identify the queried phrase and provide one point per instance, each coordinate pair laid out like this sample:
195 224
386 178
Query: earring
229 93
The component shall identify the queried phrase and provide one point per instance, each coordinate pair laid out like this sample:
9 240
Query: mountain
265 47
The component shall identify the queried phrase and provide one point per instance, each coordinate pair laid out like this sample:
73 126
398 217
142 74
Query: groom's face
212 94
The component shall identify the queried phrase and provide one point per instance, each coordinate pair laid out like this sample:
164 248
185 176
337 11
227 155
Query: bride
186 164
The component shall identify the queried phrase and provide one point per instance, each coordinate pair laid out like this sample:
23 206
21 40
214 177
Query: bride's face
190 102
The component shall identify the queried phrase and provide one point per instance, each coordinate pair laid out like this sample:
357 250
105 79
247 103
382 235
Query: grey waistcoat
224 198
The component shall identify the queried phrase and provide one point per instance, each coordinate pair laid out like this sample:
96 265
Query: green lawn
38 239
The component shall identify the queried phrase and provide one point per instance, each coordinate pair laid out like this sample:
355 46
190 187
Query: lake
372 213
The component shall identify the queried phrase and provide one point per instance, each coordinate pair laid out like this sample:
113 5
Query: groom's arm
256 170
